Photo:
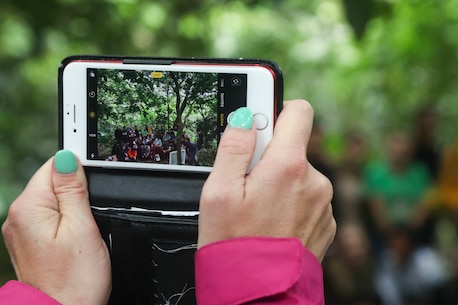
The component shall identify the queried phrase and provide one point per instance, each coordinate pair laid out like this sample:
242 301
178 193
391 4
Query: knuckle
70 185
207 197
14 213
295 167
13 219
5 230
324 187
212 193
328 189
236 145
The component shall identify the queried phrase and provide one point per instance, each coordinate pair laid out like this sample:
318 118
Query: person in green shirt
395 187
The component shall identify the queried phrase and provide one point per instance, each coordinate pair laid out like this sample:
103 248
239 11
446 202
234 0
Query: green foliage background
364 64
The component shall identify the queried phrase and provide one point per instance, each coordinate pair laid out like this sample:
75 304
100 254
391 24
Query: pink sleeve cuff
17 293
259 270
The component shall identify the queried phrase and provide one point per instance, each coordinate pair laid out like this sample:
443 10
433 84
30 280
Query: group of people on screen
148 145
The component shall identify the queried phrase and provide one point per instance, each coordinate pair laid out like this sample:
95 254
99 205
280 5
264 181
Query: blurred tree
359 13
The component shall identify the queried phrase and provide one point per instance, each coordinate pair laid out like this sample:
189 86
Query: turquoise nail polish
241 118
65 162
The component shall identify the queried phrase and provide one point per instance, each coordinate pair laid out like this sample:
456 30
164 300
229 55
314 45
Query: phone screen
163 117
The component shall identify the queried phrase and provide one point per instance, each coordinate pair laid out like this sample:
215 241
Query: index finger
292 130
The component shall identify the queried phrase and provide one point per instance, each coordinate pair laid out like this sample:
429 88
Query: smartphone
161 113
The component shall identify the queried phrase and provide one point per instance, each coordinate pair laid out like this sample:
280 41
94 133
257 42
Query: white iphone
161 113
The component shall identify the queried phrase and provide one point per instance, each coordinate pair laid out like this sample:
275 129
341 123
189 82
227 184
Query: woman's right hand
283 196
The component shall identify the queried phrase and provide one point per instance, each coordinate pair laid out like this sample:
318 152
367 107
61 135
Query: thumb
236 148
70 187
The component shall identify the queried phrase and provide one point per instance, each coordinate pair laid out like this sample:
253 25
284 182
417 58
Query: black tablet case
152 253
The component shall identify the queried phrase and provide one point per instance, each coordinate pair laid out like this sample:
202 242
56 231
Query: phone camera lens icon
91 94
91 74
235 81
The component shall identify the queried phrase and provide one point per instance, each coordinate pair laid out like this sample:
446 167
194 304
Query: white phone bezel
260 99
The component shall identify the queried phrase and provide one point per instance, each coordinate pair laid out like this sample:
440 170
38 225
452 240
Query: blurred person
447 294
144 131
137 132
151 131
447 192
316 152
157 142
121 153
157 152
191 150
447 184
425 144
441 203
168 136
428 151
132 153
131 134
125 134
118 134
445 195
350 270
146 151
115 148
167 147
261 238
409 274
140 151
394 188
348 182
317 156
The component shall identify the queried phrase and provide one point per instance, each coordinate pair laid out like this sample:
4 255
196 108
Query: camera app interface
161 117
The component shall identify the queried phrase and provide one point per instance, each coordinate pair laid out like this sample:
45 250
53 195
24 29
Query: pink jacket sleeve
17 293
258 271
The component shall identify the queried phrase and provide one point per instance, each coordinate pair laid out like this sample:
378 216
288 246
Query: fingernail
65 162
241 118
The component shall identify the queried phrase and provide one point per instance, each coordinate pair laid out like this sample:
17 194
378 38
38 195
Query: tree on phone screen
183 103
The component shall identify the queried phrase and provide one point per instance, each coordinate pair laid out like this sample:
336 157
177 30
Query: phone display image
122 114
148 116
